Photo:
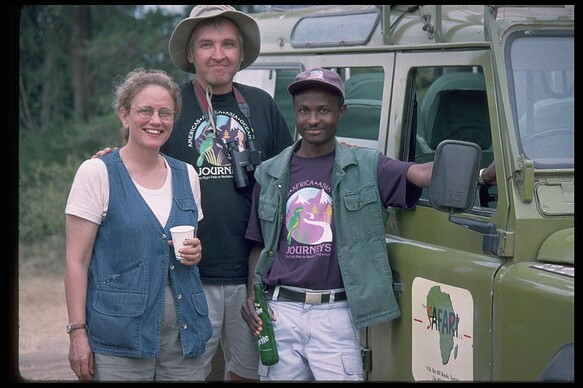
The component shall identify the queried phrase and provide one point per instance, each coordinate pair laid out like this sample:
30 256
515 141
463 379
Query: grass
46 259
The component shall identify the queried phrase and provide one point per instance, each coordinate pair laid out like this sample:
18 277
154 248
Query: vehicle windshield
542 75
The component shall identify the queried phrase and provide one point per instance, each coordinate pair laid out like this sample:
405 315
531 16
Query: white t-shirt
89 195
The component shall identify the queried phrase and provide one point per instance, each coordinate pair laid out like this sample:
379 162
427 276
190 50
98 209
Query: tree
81 76
42 61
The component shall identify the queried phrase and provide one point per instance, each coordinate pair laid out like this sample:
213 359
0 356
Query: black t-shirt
226 210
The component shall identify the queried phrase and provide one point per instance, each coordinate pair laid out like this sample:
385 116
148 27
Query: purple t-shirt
306 255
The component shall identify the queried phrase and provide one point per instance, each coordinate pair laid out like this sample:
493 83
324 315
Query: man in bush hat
214 43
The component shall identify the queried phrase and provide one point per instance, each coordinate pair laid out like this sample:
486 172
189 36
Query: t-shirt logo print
211 144
309 216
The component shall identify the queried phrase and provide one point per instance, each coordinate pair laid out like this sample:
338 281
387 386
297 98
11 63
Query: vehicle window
542 73
451 104
349 29
282 97
364 93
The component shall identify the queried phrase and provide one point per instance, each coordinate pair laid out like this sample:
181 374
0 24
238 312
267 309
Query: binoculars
243 161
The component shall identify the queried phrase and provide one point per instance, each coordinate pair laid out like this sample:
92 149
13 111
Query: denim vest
359 228
130 266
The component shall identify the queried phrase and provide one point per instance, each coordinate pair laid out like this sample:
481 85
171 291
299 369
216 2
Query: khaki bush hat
181 34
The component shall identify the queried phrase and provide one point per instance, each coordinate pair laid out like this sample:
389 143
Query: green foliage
44 257
80 140
47 167
42 198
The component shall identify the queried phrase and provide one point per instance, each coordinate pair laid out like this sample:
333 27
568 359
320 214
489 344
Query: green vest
359 228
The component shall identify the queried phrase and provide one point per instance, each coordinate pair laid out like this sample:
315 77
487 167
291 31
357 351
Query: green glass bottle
265 339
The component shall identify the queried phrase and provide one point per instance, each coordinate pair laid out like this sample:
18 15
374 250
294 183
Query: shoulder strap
243 106
203 98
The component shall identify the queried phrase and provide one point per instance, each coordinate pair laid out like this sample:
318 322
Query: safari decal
442 332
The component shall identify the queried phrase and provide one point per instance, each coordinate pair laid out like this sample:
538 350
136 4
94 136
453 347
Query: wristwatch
481 181
72 327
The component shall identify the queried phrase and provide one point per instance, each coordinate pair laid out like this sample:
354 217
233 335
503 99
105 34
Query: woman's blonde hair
134 82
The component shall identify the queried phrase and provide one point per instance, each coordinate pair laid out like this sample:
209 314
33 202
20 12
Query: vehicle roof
410 25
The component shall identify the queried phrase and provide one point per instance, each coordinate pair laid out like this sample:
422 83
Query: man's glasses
146 113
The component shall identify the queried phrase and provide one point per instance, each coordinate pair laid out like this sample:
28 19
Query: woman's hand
191 253
80 355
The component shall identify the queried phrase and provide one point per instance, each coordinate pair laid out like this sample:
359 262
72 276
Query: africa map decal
442 338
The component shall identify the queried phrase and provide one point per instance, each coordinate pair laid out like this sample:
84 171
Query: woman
135 311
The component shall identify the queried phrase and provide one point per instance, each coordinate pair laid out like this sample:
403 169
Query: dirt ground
43 345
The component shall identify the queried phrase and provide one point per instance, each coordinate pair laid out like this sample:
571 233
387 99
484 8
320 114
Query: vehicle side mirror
455 176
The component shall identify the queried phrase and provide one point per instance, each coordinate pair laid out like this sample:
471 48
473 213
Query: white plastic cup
179 235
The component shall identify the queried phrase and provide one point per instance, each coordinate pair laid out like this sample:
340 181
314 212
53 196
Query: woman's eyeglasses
146 113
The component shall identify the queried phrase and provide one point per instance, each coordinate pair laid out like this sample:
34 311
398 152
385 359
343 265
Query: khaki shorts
239 344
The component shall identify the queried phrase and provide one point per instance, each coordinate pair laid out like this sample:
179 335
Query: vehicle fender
559 247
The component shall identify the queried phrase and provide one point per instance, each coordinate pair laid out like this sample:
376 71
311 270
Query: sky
170 8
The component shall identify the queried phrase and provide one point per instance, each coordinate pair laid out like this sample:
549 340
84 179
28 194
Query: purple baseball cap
317 77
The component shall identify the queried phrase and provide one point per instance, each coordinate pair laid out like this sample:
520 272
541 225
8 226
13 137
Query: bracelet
481 181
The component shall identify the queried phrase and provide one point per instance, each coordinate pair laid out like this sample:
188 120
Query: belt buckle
313 298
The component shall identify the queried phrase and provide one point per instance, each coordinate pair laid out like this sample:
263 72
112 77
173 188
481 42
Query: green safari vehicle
484 275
